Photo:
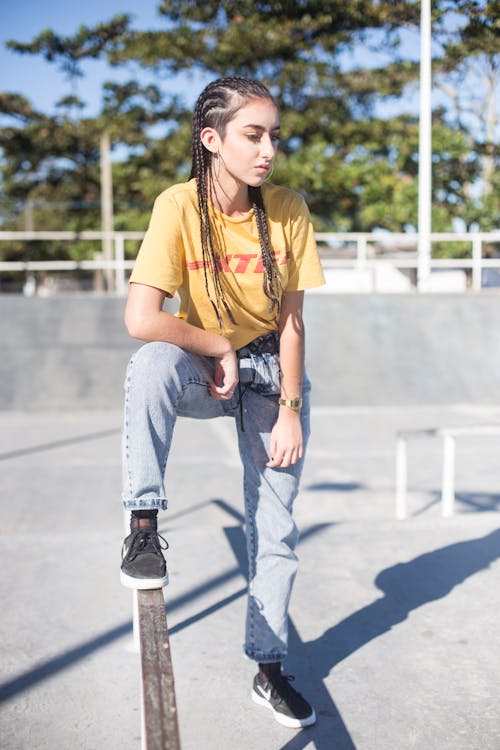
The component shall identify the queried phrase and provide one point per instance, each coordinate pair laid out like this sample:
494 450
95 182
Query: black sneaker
287 705
143 565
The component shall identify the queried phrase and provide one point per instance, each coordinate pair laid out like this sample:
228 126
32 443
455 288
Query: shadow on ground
404 587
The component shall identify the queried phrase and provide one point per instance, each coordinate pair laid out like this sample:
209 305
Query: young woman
239 252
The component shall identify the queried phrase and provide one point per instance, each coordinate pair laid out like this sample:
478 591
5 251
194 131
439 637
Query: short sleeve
160 260
304 265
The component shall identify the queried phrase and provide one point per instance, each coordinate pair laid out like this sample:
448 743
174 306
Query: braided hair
216 106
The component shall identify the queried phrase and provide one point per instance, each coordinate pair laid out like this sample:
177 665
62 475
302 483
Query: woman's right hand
146 320
225 376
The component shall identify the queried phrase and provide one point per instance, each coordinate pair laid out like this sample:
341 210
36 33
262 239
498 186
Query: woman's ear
210 139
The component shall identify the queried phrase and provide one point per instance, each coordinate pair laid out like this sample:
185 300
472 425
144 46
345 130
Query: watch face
292 403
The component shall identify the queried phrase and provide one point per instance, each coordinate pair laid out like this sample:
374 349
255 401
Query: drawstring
241 393
240 398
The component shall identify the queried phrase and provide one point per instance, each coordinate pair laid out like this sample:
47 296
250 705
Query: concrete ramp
62 353
71 352
404 349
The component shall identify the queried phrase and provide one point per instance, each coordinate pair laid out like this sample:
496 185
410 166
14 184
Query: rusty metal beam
160 724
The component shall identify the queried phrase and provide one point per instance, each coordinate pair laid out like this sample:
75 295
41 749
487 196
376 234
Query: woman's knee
153 362
159 364
154 355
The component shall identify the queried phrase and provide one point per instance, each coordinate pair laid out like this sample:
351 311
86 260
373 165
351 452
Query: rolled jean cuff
145 503
266 657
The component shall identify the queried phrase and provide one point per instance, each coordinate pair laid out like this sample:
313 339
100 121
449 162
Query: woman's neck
231 199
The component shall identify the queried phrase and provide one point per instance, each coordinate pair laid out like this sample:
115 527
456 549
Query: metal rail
160 729
448 436
399 249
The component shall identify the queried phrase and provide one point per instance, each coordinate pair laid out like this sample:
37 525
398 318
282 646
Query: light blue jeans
163 382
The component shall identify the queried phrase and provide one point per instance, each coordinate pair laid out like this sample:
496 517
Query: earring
217 171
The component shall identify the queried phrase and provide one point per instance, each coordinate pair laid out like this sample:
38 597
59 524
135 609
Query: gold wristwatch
292 403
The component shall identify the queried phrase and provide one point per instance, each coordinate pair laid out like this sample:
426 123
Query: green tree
296 48
468 74
357 168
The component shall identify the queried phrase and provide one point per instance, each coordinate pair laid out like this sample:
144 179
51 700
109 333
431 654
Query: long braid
271 280
201 164
215 107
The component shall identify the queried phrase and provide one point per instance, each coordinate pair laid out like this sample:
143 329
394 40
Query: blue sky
41 82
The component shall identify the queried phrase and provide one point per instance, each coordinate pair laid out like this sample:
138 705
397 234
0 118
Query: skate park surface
393 623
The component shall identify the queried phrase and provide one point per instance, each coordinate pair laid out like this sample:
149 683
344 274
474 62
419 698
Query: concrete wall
61 352
71 352
404 349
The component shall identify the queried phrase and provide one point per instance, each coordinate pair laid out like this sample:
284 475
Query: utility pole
425 150
29 221
107 207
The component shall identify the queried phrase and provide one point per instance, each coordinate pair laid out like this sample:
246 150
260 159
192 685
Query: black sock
142 519
271 669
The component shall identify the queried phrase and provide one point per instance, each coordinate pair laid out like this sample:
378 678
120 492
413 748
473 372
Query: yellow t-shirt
170 258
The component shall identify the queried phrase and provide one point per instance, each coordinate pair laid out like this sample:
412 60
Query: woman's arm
146 320
286 436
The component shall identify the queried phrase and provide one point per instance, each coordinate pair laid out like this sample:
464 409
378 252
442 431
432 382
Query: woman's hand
285 447
146 320
286 444
225 376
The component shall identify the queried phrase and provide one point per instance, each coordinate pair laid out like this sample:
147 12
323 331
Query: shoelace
145 537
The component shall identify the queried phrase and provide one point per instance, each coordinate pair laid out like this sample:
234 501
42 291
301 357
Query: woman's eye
256 138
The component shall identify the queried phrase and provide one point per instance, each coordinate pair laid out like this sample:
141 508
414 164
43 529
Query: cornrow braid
217 104
271 280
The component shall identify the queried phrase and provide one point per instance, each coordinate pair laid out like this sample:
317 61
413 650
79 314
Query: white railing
118 266
448 436
369 249
400 250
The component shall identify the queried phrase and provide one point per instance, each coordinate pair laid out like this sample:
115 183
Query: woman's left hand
285 447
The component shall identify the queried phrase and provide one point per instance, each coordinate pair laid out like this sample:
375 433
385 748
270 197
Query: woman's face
249 145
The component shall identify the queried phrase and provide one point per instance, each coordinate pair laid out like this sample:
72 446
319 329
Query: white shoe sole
142 584
286 721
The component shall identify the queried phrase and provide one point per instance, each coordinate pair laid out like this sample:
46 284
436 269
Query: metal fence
356 251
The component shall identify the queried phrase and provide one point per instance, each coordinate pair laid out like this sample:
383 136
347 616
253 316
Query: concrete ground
394 624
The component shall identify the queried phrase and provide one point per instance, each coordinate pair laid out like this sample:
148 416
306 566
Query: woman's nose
268 147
